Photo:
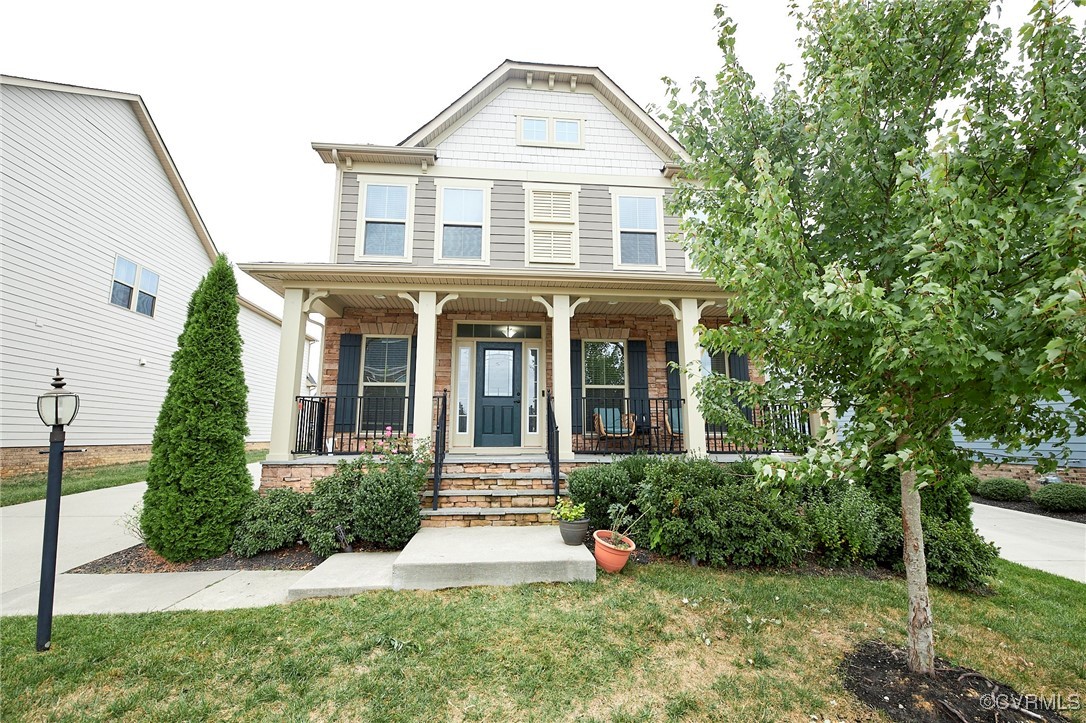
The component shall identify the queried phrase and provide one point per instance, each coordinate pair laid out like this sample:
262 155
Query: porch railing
607 423
783 430
552 443
441 415
351 425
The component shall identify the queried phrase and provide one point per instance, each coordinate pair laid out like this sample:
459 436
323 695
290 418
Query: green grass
625 649
29 487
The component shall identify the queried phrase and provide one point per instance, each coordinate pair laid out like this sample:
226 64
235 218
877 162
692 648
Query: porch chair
614 426
673 428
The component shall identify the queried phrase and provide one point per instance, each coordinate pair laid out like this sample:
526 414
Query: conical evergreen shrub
197 482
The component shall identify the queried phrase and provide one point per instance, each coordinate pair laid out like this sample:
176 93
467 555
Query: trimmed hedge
598 487
271 522
1003 489
1062 497
957 556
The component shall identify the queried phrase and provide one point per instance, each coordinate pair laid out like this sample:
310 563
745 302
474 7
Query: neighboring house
102 248
511 262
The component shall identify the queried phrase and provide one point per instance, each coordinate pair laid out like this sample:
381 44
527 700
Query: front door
497 394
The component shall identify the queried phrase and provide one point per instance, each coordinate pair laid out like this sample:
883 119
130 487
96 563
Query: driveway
1044 543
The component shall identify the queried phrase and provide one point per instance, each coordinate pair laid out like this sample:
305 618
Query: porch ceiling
349 281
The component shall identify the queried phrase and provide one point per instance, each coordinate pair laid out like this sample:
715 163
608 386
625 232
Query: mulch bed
1033 508
139 558
878 675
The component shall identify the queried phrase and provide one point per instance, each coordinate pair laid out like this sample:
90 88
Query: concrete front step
347 573
442 558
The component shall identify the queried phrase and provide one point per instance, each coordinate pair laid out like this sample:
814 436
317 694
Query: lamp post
57 408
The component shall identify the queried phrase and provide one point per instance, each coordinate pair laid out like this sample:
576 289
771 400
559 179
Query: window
604 375
533 390
638 241
464 218
551 231
140 297
463 388
385 219
384 384
550 131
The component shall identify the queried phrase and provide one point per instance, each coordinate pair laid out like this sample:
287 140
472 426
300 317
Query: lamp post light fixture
57 408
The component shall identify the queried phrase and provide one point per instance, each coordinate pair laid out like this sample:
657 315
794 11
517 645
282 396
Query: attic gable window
385 219
550 131
551 231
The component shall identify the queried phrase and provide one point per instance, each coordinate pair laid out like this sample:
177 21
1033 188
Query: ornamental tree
197 482
903 233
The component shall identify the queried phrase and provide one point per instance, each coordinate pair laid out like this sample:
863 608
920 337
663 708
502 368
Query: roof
143 116
418 145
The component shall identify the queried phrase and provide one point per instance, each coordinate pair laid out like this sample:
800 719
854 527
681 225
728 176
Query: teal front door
497 394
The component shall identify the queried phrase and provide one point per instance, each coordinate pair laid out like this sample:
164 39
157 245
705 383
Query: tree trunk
921 643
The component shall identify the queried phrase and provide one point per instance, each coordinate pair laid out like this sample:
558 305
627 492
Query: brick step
519 492
486 516
497 481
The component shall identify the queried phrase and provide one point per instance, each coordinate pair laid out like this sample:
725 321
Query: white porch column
689 352
288 378
425 360
560 375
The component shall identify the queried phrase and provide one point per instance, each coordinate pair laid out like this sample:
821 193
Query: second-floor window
384 224
140 296
638 230
463 223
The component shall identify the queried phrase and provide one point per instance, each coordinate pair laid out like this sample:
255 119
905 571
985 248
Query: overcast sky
239 90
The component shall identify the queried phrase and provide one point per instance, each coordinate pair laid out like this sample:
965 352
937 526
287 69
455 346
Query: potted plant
614 546
572 522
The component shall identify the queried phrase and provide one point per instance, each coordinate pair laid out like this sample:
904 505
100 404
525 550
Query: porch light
510 331
502 299
612 303
58 407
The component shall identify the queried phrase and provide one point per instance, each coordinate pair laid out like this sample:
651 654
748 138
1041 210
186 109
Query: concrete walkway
1043 543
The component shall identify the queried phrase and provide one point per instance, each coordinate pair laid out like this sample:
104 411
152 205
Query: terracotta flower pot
609 557
573 531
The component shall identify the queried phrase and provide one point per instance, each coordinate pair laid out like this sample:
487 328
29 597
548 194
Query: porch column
426 357
560 374
689 352
288 378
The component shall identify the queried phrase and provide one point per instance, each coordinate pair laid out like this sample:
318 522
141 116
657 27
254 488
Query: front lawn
30 487
662 641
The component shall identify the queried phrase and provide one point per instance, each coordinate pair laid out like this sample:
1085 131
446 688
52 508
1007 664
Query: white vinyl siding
551 228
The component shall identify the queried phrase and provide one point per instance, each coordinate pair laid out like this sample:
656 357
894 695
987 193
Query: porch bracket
312 299
540 299
412 299
705 305
671 305
575 304
441 304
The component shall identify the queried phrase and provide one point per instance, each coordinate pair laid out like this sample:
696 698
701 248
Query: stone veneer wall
1028 473
26 460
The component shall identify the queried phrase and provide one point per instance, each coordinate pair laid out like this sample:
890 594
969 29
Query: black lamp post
57 408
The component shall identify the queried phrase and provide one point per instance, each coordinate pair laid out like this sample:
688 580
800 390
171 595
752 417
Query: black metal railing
552 443
441 414
603 422
779 429
352 425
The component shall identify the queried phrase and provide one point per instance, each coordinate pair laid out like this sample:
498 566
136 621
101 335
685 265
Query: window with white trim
550 131
463 223
384 382
638 228
140 297
384 224
604 375
552 224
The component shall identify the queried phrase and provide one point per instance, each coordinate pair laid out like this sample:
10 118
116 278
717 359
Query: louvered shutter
551 215
575 375
350 356
637 353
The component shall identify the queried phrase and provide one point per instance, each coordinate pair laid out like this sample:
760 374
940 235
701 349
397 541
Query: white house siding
488 138
258 356
79 185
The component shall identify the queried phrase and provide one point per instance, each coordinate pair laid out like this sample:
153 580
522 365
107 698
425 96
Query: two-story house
506 280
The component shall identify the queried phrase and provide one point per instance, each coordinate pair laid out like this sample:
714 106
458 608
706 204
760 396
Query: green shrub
598 487
386 508
957 556
271 522
1003 489
1061 497
718 513
333 504
635 466
198 485
970 482
844 526
947 499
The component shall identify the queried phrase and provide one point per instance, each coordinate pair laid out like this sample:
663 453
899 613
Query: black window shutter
411 386
739 366
575 375
637 367
350 356
674 385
